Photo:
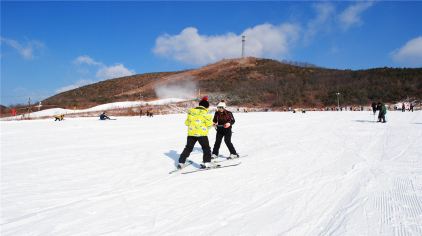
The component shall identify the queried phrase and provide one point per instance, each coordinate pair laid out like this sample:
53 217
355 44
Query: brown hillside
105 91
252 81
3 110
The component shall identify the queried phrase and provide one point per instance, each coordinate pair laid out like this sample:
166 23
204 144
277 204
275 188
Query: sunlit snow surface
99 108
318 173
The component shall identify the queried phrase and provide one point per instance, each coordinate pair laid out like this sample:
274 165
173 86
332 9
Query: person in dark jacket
103 116
374 108
223 120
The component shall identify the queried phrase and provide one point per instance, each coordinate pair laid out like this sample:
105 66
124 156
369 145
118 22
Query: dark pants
381 117
227 134
203 141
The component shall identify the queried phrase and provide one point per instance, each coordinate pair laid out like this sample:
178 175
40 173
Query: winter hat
204 102
222 104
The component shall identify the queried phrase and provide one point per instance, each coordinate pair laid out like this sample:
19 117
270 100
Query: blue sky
49 47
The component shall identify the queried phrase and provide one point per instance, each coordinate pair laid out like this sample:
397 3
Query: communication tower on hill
243 46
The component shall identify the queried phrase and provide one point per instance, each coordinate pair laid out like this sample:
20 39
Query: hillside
3 109
105 91
253 81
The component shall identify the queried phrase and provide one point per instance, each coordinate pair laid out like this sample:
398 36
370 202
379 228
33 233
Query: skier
198 123
382 112
58 117
103 116
374 108
223 120
150 114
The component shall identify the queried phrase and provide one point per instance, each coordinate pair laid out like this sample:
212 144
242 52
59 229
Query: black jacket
104 117
221 118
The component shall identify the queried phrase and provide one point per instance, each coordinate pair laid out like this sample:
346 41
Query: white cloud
324 12
109 72
410 54
351 16
265 40
78 84
26 51
86 60
103 72
262 40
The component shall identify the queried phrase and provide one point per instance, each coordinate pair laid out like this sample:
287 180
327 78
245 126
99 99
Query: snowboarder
382 112
223 120
103 116
198 122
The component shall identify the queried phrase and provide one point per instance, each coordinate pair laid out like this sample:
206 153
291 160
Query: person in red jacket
223 120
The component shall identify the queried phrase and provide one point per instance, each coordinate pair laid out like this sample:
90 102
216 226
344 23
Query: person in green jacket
382 112
198 123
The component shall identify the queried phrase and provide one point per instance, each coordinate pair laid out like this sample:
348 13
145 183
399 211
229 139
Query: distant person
403 107
374 107
223 120
198 123
150 114
382 112
59 117
411 107
103 116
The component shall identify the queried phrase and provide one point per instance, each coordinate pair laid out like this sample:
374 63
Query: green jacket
198 121
383 109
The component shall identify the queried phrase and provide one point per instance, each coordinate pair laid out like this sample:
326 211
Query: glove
227 125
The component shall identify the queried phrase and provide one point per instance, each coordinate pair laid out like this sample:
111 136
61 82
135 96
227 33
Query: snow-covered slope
318 173
103 107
